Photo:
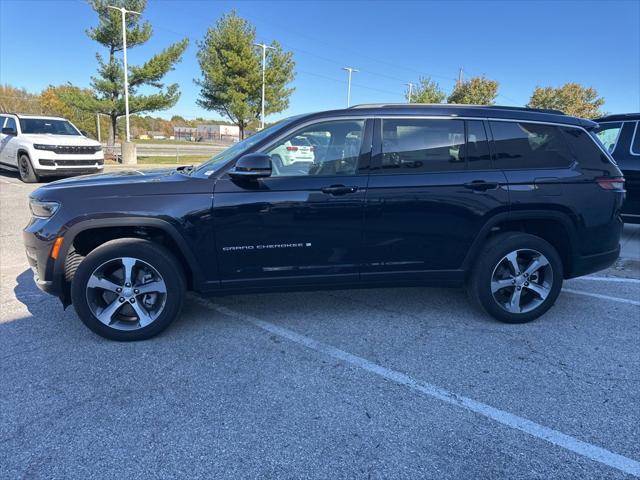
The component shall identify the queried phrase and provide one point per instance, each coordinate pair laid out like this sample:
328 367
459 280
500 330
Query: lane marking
603 297
609 279
555 437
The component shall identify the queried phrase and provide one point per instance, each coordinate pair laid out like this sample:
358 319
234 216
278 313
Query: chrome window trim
453 117
633 138
436 117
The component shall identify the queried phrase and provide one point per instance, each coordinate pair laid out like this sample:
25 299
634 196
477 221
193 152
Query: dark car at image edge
505 201
620 134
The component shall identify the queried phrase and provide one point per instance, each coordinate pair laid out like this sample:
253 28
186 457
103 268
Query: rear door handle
339 189
481 185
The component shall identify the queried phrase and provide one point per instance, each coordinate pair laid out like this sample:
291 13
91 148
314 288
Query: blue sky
521 44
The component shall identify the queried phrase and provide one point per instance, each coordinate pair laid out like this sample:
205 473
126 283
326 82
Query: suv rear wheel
128 289
517 278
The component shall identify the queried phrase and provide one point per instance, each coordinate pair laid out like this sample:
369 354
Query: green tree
108 95
231 82
54 102
572 98
426 91
475 91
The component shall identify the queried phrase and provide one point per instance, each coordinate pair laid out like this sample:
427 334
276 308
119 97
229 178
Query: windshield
46 125
239 148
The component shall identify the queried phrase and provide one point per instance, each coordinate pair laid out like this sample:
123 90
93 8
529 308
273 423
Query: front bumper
50 163
38 252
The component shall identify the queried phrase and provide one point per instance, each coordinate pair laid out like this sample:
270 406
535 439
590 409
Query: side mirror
252 165
9 131
84 133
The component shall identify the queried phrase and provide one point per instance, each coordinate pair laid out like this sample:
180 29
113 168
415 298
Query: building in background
185 133
207 133
157 135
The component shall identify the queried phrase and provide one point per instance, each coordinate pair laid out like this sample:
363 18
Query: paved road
171 150
387 383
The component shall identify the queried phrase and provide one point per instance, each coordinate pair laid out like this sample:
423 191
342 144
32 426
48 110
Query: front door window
323 149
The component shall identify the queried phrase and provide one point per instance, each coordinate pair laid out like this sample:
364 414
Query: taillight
313 149
292 149
611 183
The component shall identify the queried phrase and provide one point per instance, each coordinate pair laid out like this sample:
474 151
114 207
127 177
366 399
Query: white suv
298 149
40 146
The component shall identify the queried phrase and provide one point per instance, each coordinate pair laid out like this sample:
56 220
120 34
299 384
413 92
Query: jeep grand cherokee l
39 146
620 135
507 202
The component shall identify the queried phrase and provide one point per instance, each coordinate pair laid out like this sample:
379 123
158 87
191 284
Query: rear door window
520 145
422 145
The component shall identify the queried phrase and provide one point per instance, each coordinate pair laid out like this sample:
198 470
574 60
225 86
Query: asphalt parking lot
386 383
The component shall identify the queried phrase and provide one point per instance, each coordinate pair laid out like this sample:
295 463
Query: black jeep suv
506 201
620 134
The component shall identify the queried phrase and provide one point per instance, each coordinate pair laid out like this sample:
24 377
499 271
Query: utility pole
98 126
411 85
124 11
350 70
264 47
460 78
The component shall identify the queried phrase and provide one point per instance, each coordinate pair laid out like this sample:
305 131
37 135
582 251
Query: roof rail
455 105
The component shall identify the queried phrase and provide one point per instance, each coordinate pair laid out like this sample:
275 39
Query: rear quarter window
520 145
585 149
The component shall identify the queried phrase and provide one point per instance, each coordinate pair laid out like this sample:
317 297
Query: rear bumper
585 265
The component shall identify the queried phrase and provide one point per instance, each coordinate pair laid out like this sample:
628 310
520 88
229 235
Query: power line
342 47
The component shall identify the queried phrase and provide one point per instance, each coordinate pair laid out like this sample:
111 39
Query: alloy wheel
521 281
126 293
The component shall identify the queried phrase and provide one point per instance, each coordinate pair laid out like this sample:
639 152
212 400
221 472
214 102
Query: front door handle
339 189
481 185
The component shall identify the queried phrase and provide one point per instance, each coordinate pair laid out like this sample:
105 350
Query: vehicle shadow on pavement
14 177
27 292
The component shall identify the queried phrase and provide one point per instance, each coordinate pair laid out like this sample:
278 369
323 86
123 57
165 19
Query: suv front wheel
517 278
128 289
26 170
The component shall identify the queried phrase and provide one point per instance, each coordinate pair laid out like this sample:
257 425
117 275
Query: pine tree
231 82
108 84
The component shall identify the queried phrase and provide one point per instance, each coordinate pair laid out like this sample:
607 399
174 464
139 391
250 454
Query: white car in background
38 146
296 150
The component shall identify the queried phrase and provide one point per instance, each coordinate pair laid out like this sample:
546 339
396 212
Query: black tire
489 260
154 255
25 168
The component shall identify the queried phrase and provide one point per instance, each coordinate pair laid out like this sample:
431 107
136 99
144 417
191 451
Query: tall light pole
350 71
264 47
410 85
124 11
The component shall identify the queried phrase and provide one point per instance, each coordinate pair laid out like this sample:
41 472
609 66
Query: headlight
43 209
40 146
97 148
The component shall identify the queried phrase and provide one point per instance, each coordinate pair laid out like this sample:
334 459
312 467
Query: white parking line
588 450
610 279
603 297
